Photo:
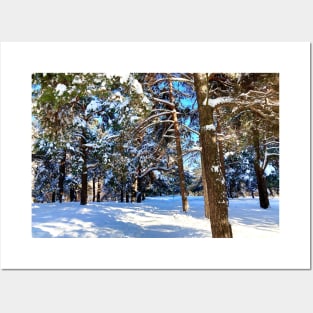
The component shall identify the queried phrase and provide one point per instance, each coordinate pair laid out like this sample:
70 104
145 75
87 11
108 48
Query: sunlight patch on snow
84 211
156 217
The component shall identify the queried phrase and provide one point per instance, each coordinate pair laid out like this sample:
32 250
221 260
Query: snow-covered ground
159 217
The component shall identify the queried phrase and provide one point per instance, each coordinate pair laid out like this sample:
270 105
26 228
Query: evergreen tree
214 179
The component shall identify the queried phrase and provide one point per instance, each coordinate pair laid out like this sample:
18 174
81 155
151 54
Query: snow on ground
157 217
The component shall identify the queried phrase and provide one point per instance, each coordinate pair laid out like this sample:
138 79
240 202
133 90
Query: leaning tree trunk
180 163
217 197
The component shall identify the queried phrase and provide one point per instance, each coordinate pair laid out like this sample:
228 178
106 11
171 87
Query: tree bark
122 194
139 185
217 197
220 145
62 177
94 189
259 172
84 190
53 197
180 163
133 197
205 190
72 194
262 186
98 190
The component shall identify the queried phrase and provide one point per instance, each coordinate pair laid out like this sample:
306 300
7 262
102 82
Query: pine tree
212 170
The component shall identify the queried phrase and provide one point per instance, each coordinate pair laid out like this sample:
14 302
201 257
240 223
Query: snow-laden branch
265 116
146 123
169 136
176 79
272 142
168 103
193 150
190 129
218 101
92 166
267 157
256 93
164 169
162 110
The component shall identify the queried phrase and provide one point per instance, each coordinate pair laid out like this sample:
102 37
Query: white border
20 251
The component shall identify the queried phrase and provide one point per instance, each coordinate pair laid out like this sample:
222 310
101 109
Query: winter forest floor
157 217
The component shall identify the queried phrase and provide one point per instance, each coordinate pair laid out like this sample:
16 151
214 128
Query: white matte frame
290 251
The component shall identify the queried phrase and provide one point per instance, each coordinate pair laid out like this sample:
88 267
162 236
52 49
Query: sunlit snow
60 88
159 217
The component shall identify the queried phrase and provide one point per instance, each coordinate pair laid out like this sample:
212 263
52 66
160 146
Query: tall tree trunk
94 189
62 177
259 172
220 144
53 197
217 197
205 190
84 190
98 190
180 163
134 187
122 193
72 194
139 185
262 186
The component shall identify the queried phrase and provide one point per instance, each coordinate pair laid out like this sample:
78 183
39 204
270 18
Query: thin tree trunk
217 197
139 185
94 189
53 197
84 190
122 193
134 190
180 163
62 177
98 190
72 194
